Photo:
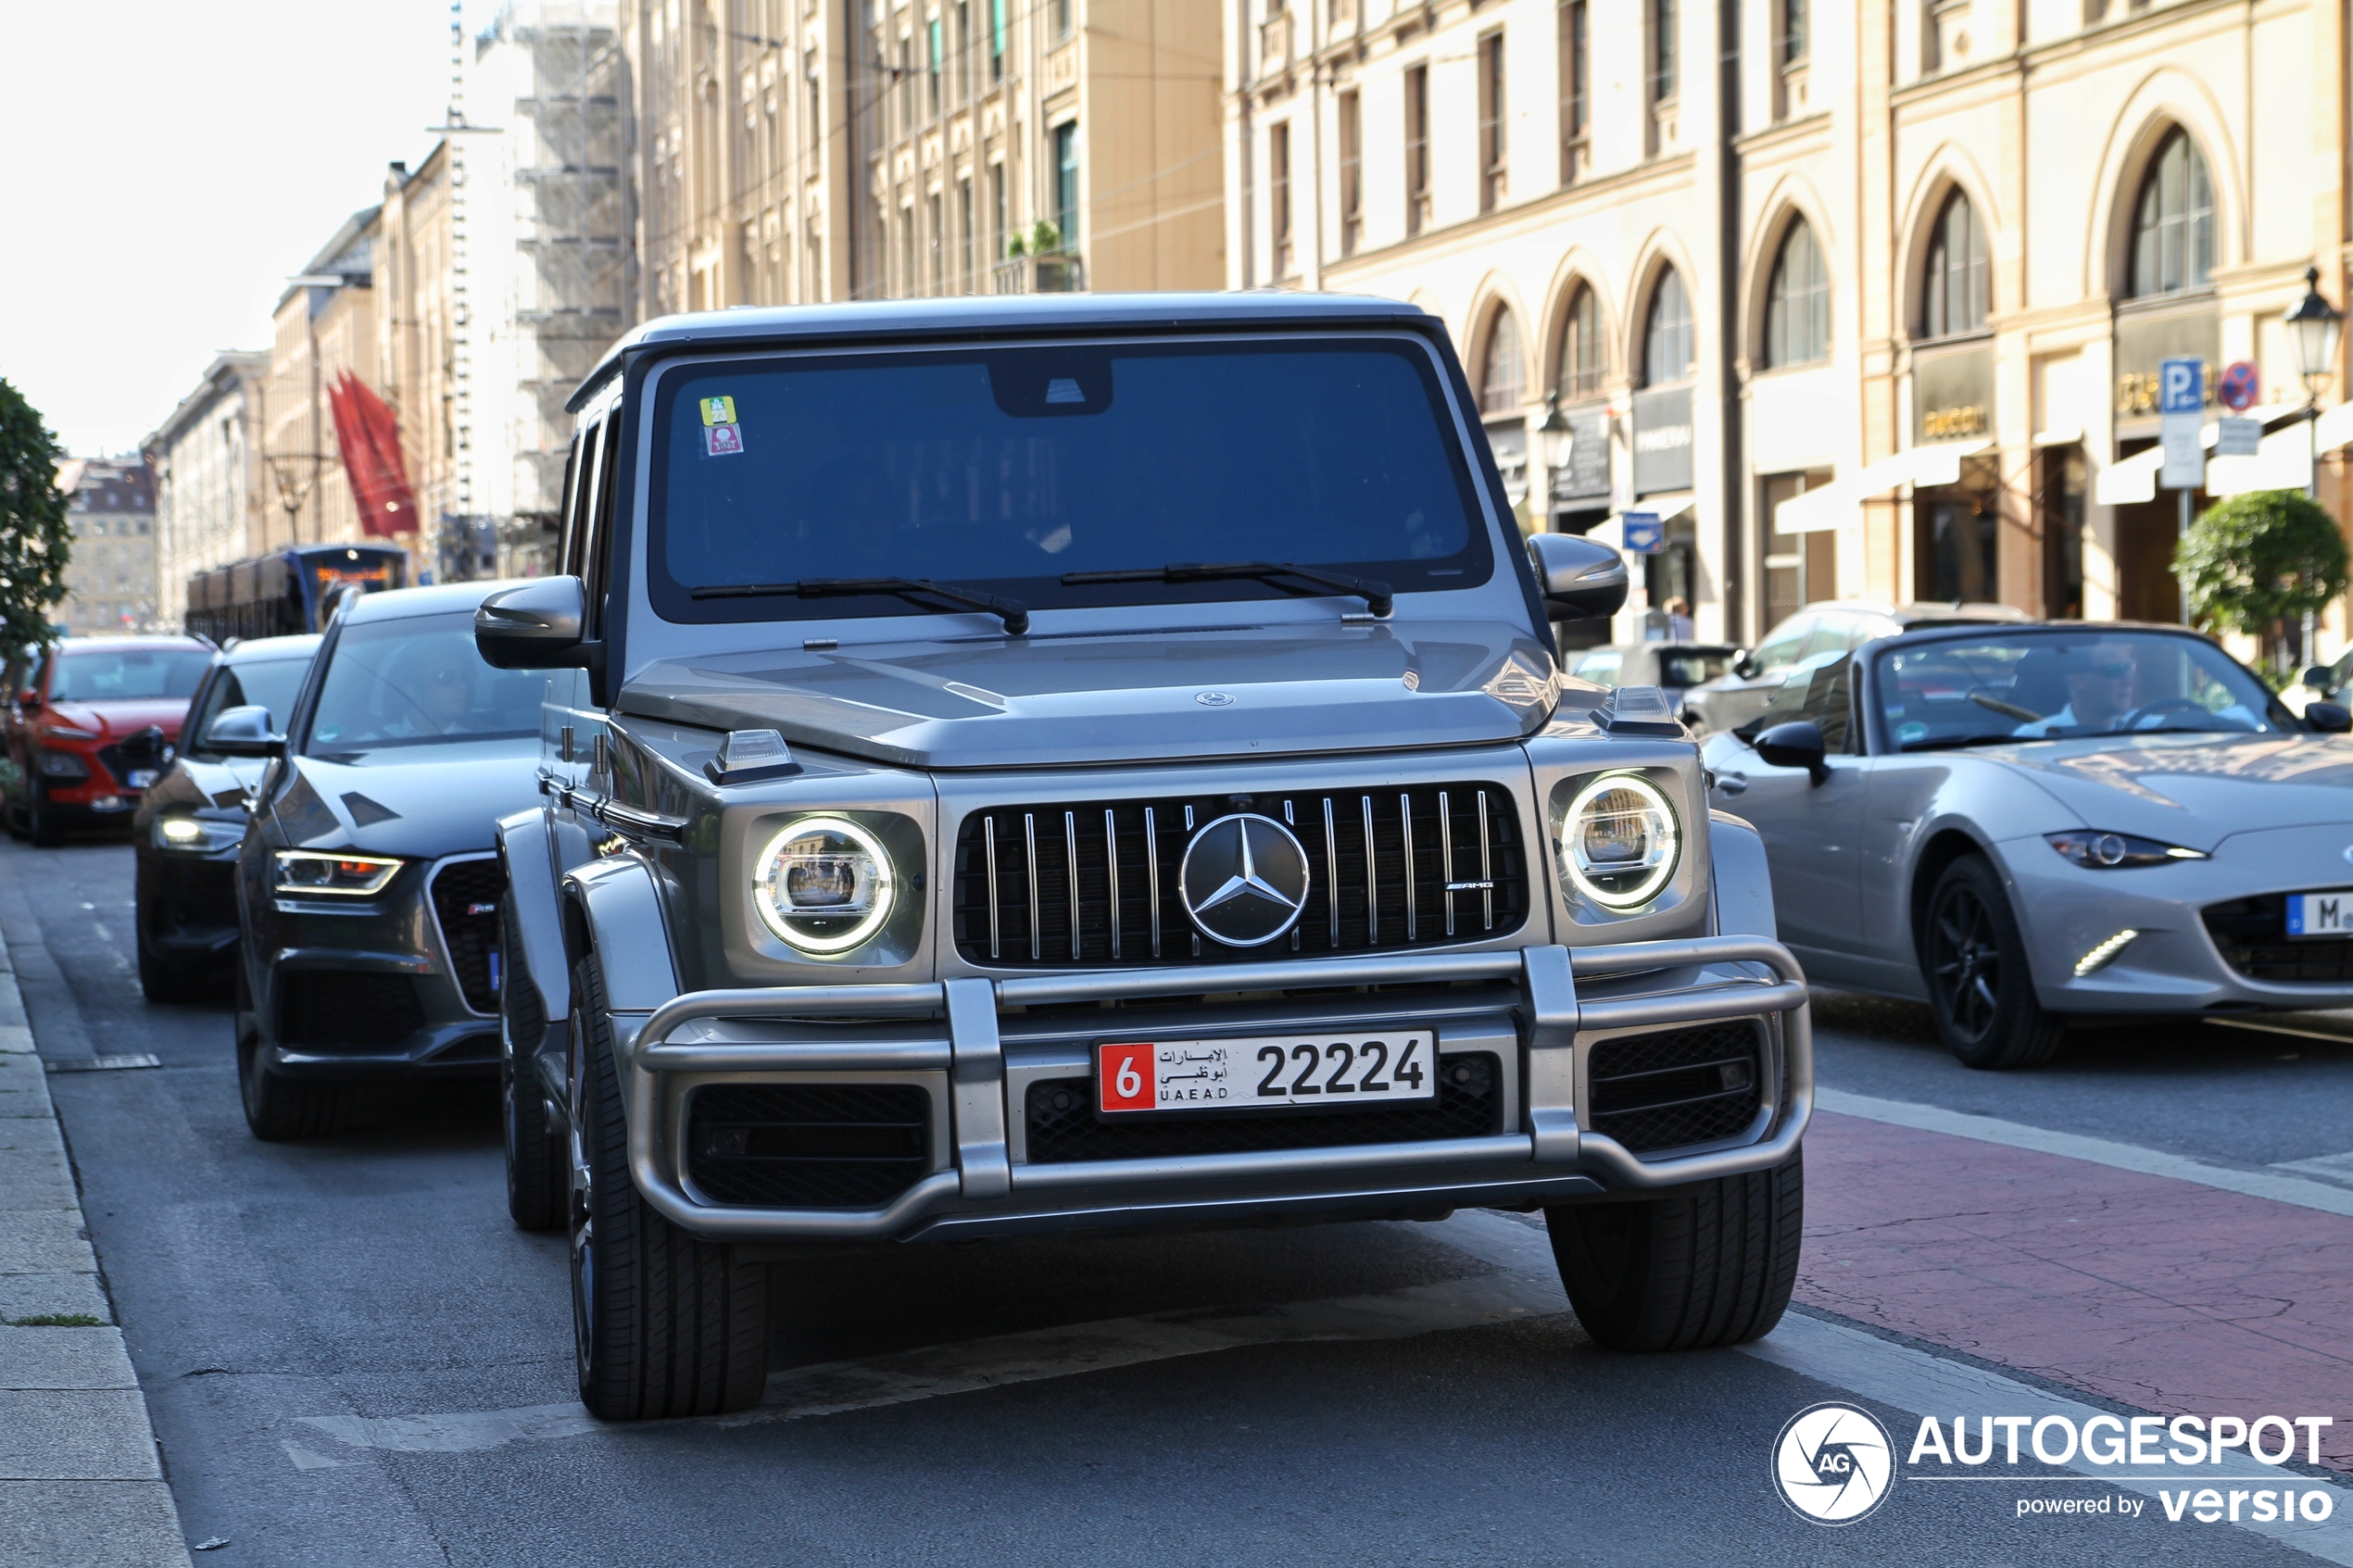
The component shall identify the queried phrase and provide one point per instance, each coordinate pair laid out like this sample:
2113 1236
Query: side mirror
243 731
2320 677
537 626
1798 744
1746 666
2329 718
147 748
1582 580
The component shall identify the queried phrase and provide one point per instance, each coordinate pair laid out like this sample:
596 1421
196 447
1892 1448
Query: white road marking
1926 1385
2328 1167
2302 1193
2282 1029
303 1459
103 1063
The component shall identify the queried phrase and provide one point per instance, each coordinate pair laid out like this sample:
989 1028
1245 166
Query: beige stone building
210 494
325 325
802 150
110 578
1862 300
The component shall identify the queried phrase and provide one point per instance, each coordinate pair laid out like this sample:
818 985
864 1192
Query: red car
92 725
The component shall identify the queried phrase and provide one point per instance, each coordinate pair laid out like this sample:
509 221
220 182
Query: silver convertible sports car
2027 825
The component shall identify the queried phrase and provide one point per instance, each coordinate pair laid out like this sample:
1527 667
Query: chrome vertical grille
1387 871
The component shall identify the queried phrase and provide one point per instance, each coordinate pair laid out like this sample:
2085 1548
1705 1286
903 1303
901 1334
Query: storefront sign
1952 394
1662 440
2144 344
1584 471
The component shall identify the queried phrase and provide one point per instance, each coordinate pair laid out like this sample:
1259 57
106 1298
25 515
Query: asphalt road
352 1358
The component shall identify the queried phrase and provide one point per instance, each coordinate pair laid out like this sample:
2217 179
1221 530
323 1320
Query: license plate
141 777
1267 1071
2321 914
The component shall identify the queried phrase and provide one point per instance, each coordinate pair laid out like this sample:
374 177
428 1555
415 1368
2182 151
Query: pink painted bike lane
2165 1294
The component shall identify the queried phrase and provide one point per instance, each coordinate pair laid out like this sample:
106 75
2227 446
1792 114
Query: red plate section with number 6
1265 1072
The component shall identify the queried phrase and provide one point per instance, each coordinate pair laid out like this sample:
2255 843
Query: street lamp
2314 325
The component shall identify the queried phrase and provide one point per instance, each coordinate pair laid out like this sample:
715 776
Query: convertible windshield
1009 471
2040 686
416 683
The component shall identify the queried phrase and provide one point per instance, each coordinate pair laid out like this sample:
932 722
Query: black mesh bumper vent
819 1145
1063 1128
341 1009
1684 1086
2252 935
465 899
1081 885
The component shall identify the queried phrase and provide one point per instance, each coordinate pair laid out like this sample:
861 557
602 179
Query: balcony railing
1040 274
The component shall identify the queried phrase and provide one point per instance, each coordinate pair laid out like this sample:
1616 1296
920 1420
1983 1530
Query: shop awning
2134 480
1819 511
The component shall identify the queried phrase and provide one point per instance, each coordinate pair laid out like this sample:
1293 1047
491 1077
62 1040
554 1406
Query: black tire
663 1325
1980 990
1694 1269
40 828
278 1108
162 978
536 1171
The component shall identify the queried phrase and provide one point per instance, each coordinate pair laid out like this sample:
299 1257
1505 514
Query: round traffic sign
2239 387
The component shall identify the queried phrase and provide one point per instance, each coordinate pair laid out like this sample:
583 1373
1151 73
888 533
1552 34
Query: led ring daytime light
1620 841
824 884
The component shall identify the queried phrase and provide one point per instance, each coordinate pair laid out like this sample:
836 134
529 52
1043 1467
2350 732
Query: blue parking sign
2180 386
1642 532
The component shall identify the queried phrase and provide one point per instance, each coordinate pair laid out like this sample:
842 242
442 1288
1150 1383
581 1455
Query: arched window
1667 333
2173 220
1502 379
1797 302
1580 362
1953 294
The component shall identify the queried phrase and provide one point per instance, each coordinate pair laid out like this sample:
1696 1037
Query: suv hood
1151 695
2194 790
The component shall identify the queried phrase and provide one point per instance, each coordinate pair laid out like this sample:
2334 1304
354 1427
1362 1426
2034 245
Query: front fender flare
1740 878
523 851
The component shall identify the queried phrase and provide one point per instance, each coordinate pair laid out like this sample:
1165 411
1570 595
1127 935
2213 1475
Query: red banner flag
368 437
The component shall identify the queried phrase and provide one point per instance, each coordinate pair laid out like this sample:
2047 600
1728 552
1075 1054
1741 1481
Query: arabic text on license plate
141 777
2321 914
1266 1071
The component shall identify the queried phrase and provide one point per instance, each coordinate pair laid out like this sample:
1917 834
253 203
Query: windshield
1005 469
264 683
126 674
2040 686
415 682
1689 667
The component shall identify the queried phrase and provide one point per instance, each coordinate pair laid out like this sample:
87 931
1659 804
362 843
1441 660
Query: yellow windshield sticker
719 410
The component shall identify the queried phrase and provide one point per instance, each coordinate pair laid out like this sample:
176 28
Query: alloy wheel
1967 963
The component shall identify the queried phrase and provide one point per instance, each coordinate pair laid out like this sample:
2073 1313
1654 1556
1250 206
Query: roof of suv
989 315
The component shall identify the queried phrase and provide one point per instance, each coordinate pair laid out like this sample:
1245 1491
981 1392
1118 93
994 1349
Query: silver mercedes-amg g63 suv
1031 766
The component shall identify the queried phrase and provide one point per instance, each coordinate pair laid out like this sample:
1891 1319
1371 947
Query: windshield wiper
1377 595
1012 612
1953 742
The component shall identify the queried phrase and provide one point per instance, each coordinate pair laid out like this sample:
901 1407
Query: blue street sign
2180 386
1643 534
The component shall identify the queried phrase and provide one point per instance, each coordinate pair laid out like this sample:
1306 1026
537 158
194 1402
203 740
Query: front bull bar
968 1050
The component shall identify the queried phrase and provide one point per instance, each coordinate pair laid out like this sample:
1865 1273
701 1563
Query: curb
81 1482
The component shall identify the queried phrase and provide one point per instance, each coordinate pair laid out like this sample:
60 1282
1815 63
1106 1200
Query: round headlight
1619 840
823 884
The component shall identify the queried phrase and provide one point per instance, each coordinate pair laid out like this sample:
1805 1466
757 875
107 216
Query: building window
2173 221
1279 196
938 247
1581 361
1577 99
907 251
1503 374
1416 149
1352 172
906 93
1667 333
1797 302
1062 18
936 61
1490 122
1066 184
1793 47
1799 568
1662 41
964 49
816 107
1953 294
996 40
965 227
998 214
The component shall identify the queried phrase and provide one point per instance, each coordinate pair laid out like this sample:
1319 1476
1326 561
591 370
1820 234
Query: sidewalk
81 1483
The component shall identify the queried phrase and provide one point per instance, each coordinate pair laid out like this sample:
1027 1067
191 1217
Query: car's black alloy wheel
277 1106
664 1324
161 976
1980 991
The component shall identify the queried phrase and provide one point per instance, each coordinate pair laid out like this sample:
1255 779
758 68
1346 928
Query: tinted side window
569 533
596 558
1780 650
1829 703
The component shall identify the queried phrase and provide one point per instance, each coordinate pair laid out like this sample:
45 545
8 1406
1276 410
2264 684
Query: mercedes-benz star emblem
1215 699
1244 880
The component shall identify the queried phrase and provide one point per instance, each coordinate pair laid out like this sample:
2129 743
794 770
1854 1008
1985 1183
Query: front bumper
975 1047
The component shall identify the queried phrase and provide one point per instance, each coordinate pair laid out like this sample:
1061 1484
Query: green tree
2257 563
35 540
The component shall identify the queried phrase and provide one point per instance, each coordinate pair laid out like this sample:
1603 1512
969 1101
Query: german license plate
1266 1071
141 777
2321 914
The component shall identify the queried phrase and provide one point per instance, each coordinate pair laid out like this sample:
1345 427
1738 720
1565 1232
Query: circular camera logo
1833 1464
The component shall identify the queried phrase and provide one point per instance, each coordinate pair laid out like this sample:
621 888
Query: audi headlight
824 884
1620 841
311 873
2116 851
